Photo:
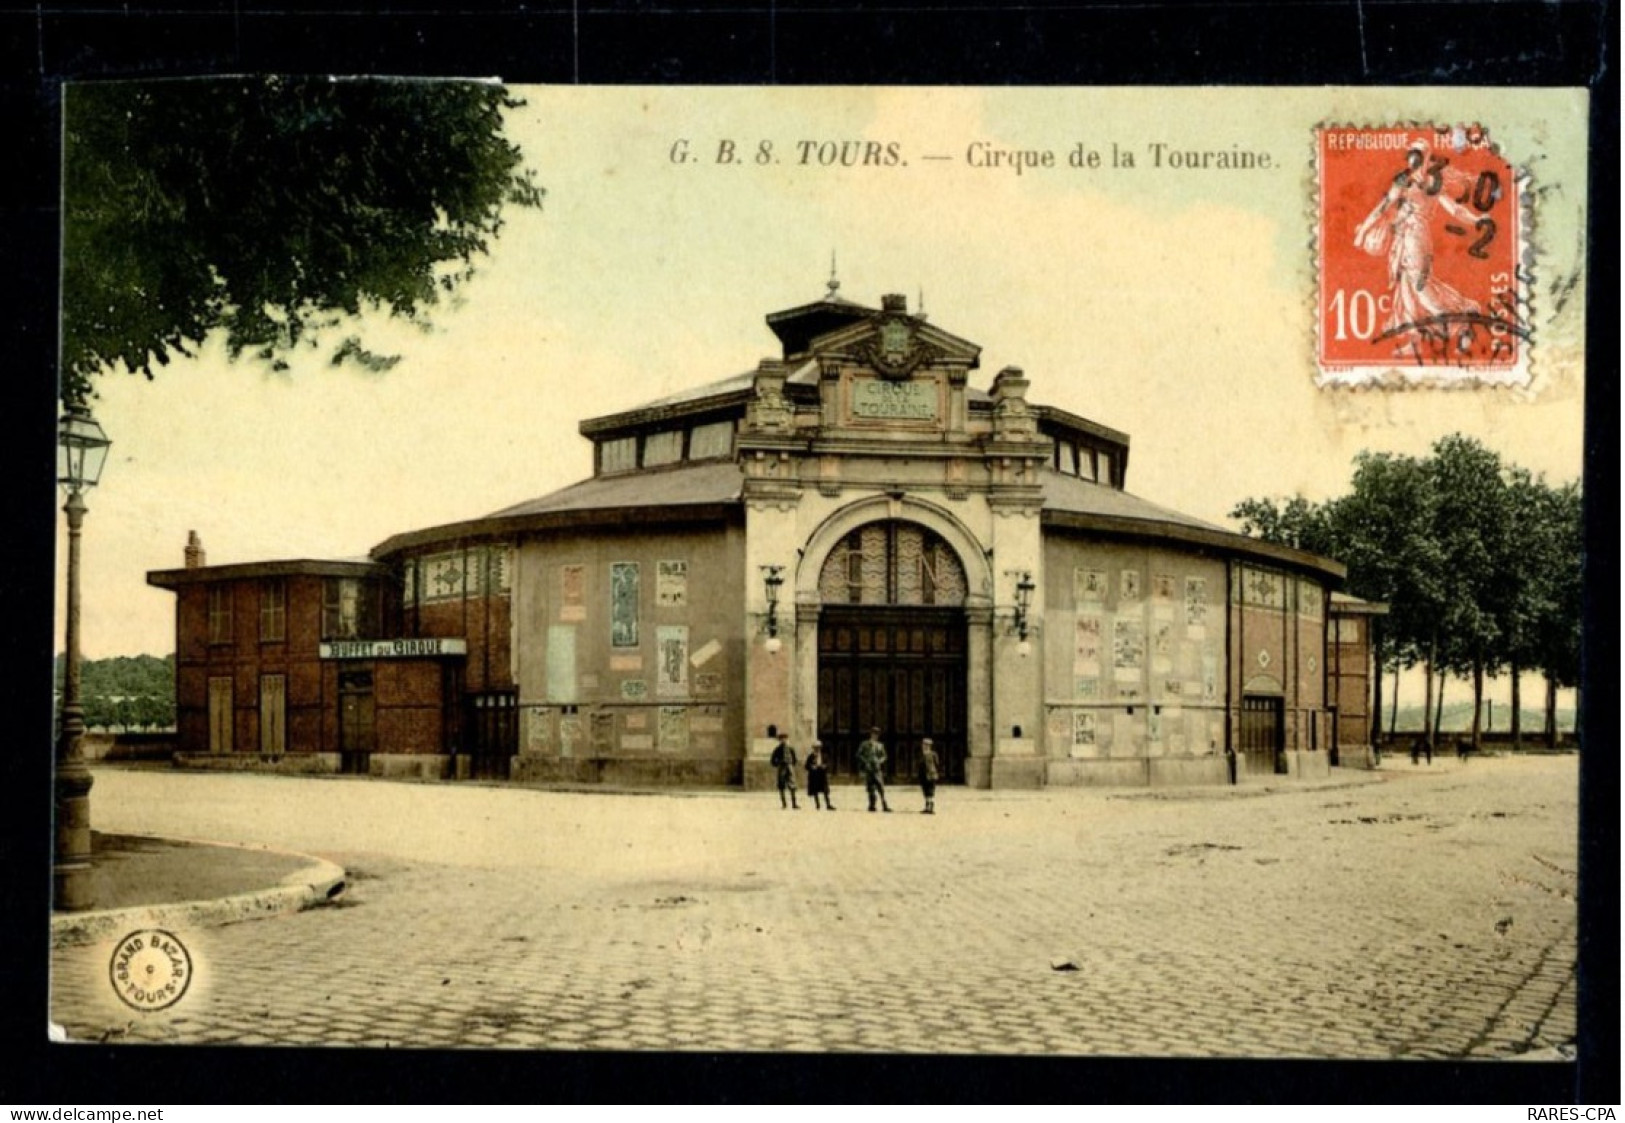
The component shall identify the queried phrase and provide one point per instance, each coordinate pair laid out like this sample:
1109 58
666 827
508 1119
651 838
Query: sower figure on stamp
818 775
871 763
928 776
784 762
1421 305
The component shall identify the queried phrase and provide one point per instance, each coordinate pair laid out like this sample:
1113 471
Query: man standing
928 776
871 762
784 761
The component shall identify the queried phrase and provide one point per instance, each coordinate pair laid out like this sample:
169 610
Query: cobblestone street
1427 912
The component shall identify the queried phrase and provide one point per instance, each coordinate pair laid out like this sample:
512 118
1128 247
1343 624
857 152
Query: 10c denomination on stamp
1422 278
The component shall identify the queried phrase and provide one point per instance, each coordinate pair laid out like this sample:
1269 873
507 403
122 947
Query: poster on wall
572 593
1195 602
1129 589
673 729
671 659
1128 650
1088 585
1086 647
671 584
1162 647
1083 729
623 604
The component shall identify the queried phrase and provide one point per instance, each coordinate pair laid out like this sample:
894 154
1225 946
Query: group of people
871 765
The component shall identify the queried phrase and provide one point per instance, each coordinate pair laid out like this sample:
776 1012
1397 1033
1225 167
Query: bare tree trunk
1393 707
1517 705
1438 710
1427 698
1576 716
1478 704
1551 712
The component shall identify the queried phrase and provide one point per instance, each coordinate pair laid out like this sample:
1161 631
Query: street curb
318 881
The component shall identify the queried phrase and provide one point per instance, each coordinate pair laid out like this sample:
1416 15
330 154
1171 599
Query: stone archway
834 529
892 640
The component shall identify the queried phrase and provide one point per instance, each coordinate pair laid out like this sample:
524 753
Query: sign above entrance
391 648
913 401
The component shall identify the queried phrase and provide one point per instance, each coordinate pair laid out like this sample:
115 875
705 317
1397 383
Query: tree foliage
1478 561
126 692
271 208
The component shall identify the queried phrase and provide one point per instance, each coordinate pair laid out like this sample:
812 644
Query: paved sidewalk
132 871
1425 913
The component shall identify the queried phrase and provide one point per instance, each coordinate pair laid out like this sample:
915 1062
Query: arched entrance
892 648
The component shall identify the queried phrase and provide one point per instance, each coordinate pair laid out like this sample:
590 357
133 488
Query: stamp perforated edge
1522 376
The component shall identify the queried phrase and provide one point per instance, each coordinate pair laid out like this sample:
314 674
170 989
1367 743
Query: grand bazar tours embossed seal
150 970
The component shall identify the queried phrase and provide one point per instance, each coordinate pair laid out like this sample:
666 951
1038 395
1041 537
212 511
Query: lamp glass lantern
1024 600
772 579
81 449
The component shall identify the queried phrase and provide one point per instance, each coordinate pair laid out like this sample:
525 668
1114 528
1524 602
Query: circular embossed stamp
150 969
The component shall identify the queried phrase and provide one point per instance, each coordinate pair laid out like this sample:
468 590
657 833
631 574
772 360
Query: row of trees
1478 560
127 692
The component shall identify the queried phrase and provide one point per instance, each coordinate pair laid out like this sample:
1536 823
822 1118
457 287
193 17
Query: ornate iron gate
1262 734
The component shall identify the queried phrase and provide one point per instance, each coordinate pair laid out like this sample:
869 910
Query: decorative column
1016 500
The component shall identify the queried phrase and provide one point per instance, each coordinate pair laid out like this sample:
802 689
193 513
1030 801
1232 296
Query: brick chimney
194 551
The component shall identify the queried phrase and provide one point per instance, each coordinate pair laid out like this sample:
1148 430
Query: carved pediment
895 345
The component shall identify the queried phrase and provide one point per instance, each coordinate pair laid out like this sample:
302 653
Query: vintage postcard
1064 572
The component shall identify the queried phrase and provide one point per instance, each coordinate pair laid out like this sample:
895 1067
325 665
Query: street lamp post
81 452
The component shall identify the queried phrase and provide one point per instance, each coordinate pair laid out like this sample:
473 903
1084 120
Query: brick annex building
851 534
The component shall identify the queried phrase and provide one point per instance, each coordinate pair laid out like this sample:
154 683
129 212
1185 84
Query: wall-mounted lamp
1024 600
772 578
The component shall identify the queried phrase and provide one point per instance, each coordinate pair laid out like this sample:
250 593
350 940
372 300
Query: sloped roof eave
287 567
687 493
1223 541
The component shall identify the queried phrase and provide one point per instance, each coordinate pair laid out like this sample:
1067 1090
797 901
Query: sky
1177 305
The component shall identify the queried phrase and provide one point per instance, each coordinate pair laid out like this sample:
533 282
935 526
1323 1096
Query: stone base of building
760 776
292 763
979 772
1017 772
1156 772
1308 766
1356 756
413 766
629 772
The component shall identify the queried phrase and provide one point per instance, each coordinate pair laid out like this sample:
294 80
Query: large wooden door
273 714
902 670
355 722
1262 734
493 733
221 717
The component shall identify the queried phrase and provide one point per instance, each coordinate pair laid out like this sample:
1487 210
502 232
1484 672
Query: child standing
818 776
928 776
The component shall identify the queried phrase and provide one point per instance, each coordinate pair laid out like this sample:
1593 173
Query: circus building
850 535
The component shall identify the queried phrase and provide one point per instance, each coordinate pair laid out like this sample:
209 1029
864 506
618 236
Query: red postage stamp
1422 277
